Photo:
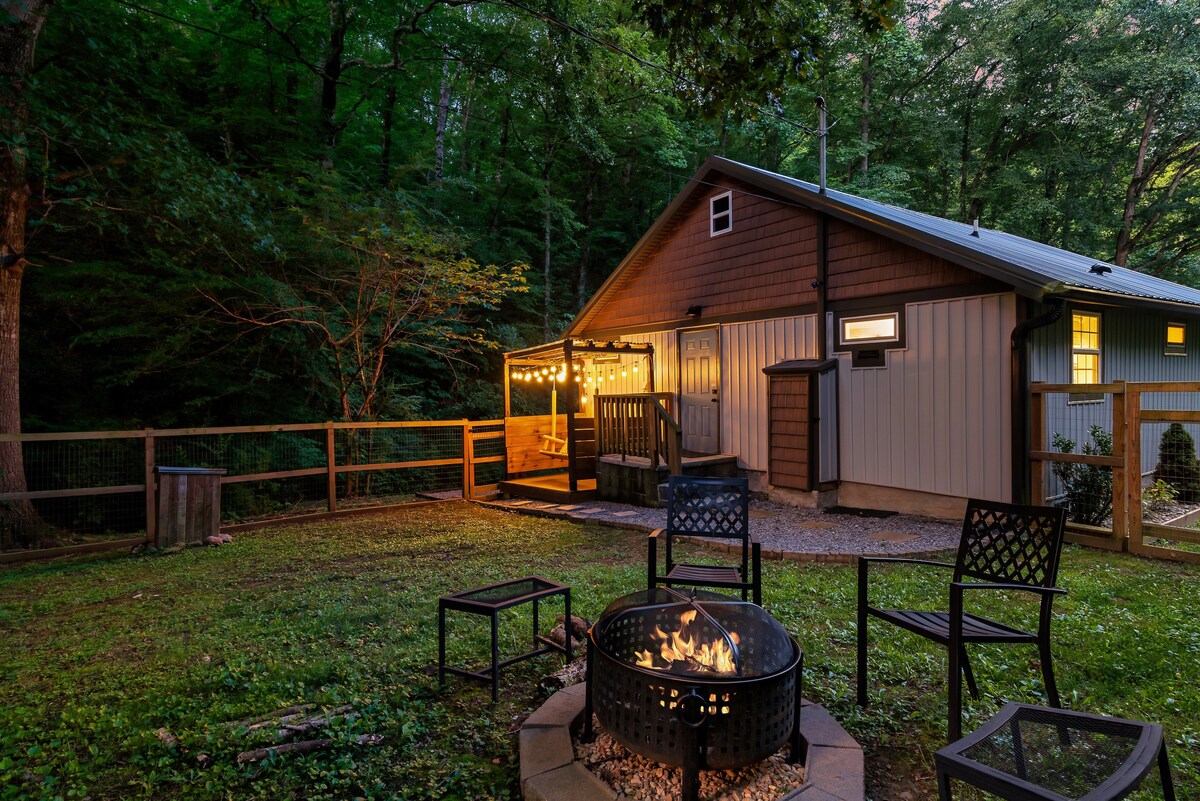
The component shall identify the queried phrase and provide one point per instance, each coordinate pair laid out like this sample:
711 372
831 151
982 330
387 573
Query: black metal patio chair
1003 547
708 507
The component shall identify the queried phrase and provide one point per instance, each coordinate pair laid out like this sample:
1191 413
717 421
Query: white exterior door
699 392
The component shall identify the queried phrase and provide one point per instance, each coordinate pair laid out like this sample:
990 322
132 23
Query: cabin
836 350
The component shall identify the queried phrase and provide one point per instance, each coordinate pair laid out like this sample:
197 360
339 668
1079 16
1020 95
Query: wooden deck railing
639 425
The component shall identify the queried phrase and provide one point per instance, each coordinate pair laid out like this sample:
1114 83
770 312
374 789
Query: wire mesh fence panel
488 454
76 490
398 485
1170 471
258 453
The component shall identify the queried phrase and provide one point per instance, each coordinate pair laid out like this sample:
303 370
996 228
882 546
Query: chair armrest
753 539
980 585
654 534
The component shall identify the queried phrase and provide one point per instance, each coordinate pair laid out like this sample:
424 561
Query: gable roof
1033 269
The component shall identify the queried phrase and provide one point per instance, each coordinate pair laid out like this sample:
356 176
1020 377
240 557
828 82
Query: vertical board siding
936 418
746 348
827 426
1132 345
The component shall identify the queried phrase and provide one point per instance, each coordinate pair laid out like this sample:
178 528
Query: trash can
188 504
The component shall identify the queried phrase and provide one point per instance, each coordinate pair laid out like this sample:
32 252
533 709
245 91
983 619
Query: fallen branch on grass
302 747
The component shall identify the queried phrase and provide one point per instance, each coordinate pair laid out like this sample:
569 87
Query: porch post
572 400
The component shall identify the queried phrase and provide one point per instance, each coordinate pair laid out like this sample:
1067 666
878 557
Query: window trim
714 215
1098 351
870 352
1173 349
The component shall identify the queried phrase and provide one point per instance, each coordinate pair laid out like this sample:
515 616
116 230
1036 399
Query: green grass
99 653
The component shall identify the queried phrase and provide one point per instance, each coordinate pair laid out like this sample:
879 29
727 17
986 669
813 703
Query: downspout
1022 408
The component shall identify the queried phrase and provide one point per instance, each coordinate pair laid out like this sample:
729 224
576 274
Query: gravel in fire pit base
640 779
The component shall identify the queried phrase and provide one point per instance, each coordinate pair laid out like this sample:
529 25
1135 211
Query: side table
1035 753
490 601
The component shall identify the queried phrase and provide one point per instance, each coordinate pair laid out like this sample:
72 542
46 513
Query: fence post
468 486
1133 468
151 493
1122 479
330 464
1037 436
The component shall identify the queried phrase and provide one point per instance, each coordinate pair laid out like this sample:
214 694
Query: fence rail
1108 491
97 488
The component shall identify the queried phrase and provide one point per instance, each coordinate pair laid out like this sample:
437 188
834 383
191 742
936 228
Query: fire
681 647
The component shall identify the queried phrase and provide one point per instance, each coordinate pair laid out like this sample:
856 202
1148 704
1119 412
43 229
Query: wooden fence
338 464
1124 409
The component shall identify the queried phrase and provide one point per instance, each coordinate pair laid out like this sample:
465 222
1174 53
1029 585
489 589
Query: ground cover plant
101 653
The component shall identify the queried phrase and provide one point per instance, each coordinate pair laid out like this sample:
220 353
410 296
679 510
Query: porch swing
552 444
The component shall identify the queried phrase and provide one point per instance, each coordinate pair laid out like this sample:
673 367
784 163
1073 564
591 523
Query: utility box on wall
188 504
802 434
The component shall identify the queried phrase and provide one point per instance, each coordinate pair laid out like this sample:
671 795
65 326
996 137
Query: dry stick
302 747
271 716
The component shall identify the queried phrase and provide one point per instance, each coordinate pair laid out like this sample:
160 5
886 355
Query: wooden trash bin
188 504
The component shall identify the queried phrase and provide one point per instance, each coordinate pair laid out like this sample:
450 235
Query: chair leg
1164 771
862 632
967 672
1048 673
954 697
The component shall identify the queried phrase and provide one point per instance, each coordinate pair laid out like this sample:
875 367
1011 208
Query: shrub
1158 495
1088 487
1177 464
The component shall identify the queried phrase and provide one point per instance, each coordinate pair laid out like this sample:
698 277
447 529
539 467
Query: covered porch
567 405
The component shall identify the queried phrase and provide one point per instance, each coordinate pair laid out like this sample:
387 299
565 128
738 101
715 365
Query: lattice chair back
1011 544
713 507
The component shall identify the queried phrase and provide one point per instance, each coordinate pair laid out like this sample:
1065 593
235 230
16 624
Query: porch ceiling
557 351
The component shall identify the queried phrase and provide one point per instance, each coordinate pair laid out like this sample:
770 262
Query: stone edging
833 770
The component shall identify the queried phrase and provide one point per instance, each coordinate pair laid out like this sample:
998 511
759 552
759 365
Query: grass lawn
100 653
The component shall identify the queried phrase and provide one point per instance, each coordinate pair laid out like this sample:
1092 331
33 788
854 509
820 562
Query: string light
527 375
622 371
540 379
611 376
635 364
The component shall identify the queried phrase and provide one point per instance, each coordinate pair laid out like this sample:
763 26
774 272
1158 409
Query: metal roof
1033 269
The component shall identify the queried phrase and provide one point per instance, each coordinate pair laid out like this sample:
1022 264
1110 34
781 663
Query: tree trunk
385 148
864 122
340 18
18 42
443 110
585 253
1134 190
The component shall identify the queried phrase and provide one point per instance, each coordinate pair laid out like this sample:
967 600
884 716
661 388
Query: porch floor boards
552 489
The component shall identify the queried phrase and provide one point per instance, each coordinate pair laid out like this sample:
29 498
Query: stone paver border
550 772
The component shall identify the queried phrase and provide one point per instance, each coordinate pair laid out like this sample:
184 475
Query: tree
1177 465
21 25
391 290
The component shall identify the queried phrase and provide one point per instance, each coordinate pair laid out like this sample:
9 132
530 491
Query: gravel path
787 532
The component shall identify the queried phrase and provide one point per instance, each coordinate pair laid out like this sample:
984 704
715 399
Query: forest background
265 212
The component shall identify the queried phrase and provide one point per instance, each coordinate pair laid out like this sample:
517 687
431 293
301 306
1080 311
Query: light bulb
583 399
577 379
562 376
622 372
528 376
575 367
540 379
611 377
635 369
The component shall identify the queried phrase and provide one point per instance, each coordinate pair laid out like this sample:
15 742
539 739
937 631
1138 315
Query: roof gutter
1021 400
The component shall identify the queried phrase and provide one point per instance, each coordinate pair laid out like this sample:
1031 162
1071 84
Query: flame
681 647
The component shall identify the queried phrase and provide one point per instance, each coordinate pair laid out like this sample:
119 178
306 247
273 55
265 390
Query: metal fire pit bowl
686 716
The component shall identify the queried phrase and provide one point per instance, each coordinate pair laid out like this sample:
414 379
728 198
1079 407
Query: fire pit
697 680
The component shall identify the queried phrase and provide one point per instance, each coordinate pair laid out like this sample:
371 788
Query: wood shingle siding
768 261
789 423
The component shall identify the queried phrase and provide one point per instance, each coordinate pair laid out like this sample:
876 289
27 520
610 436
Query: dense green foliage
1177 465
188 160
346 613
1087 487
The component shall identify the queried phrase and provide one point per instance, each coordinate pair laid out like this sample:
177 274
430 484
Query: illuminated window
872 328
720 219
1085 348
1176 339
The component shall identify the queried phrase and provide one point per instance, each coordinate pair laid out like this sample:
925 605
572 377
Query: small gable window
1176 339
720 218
